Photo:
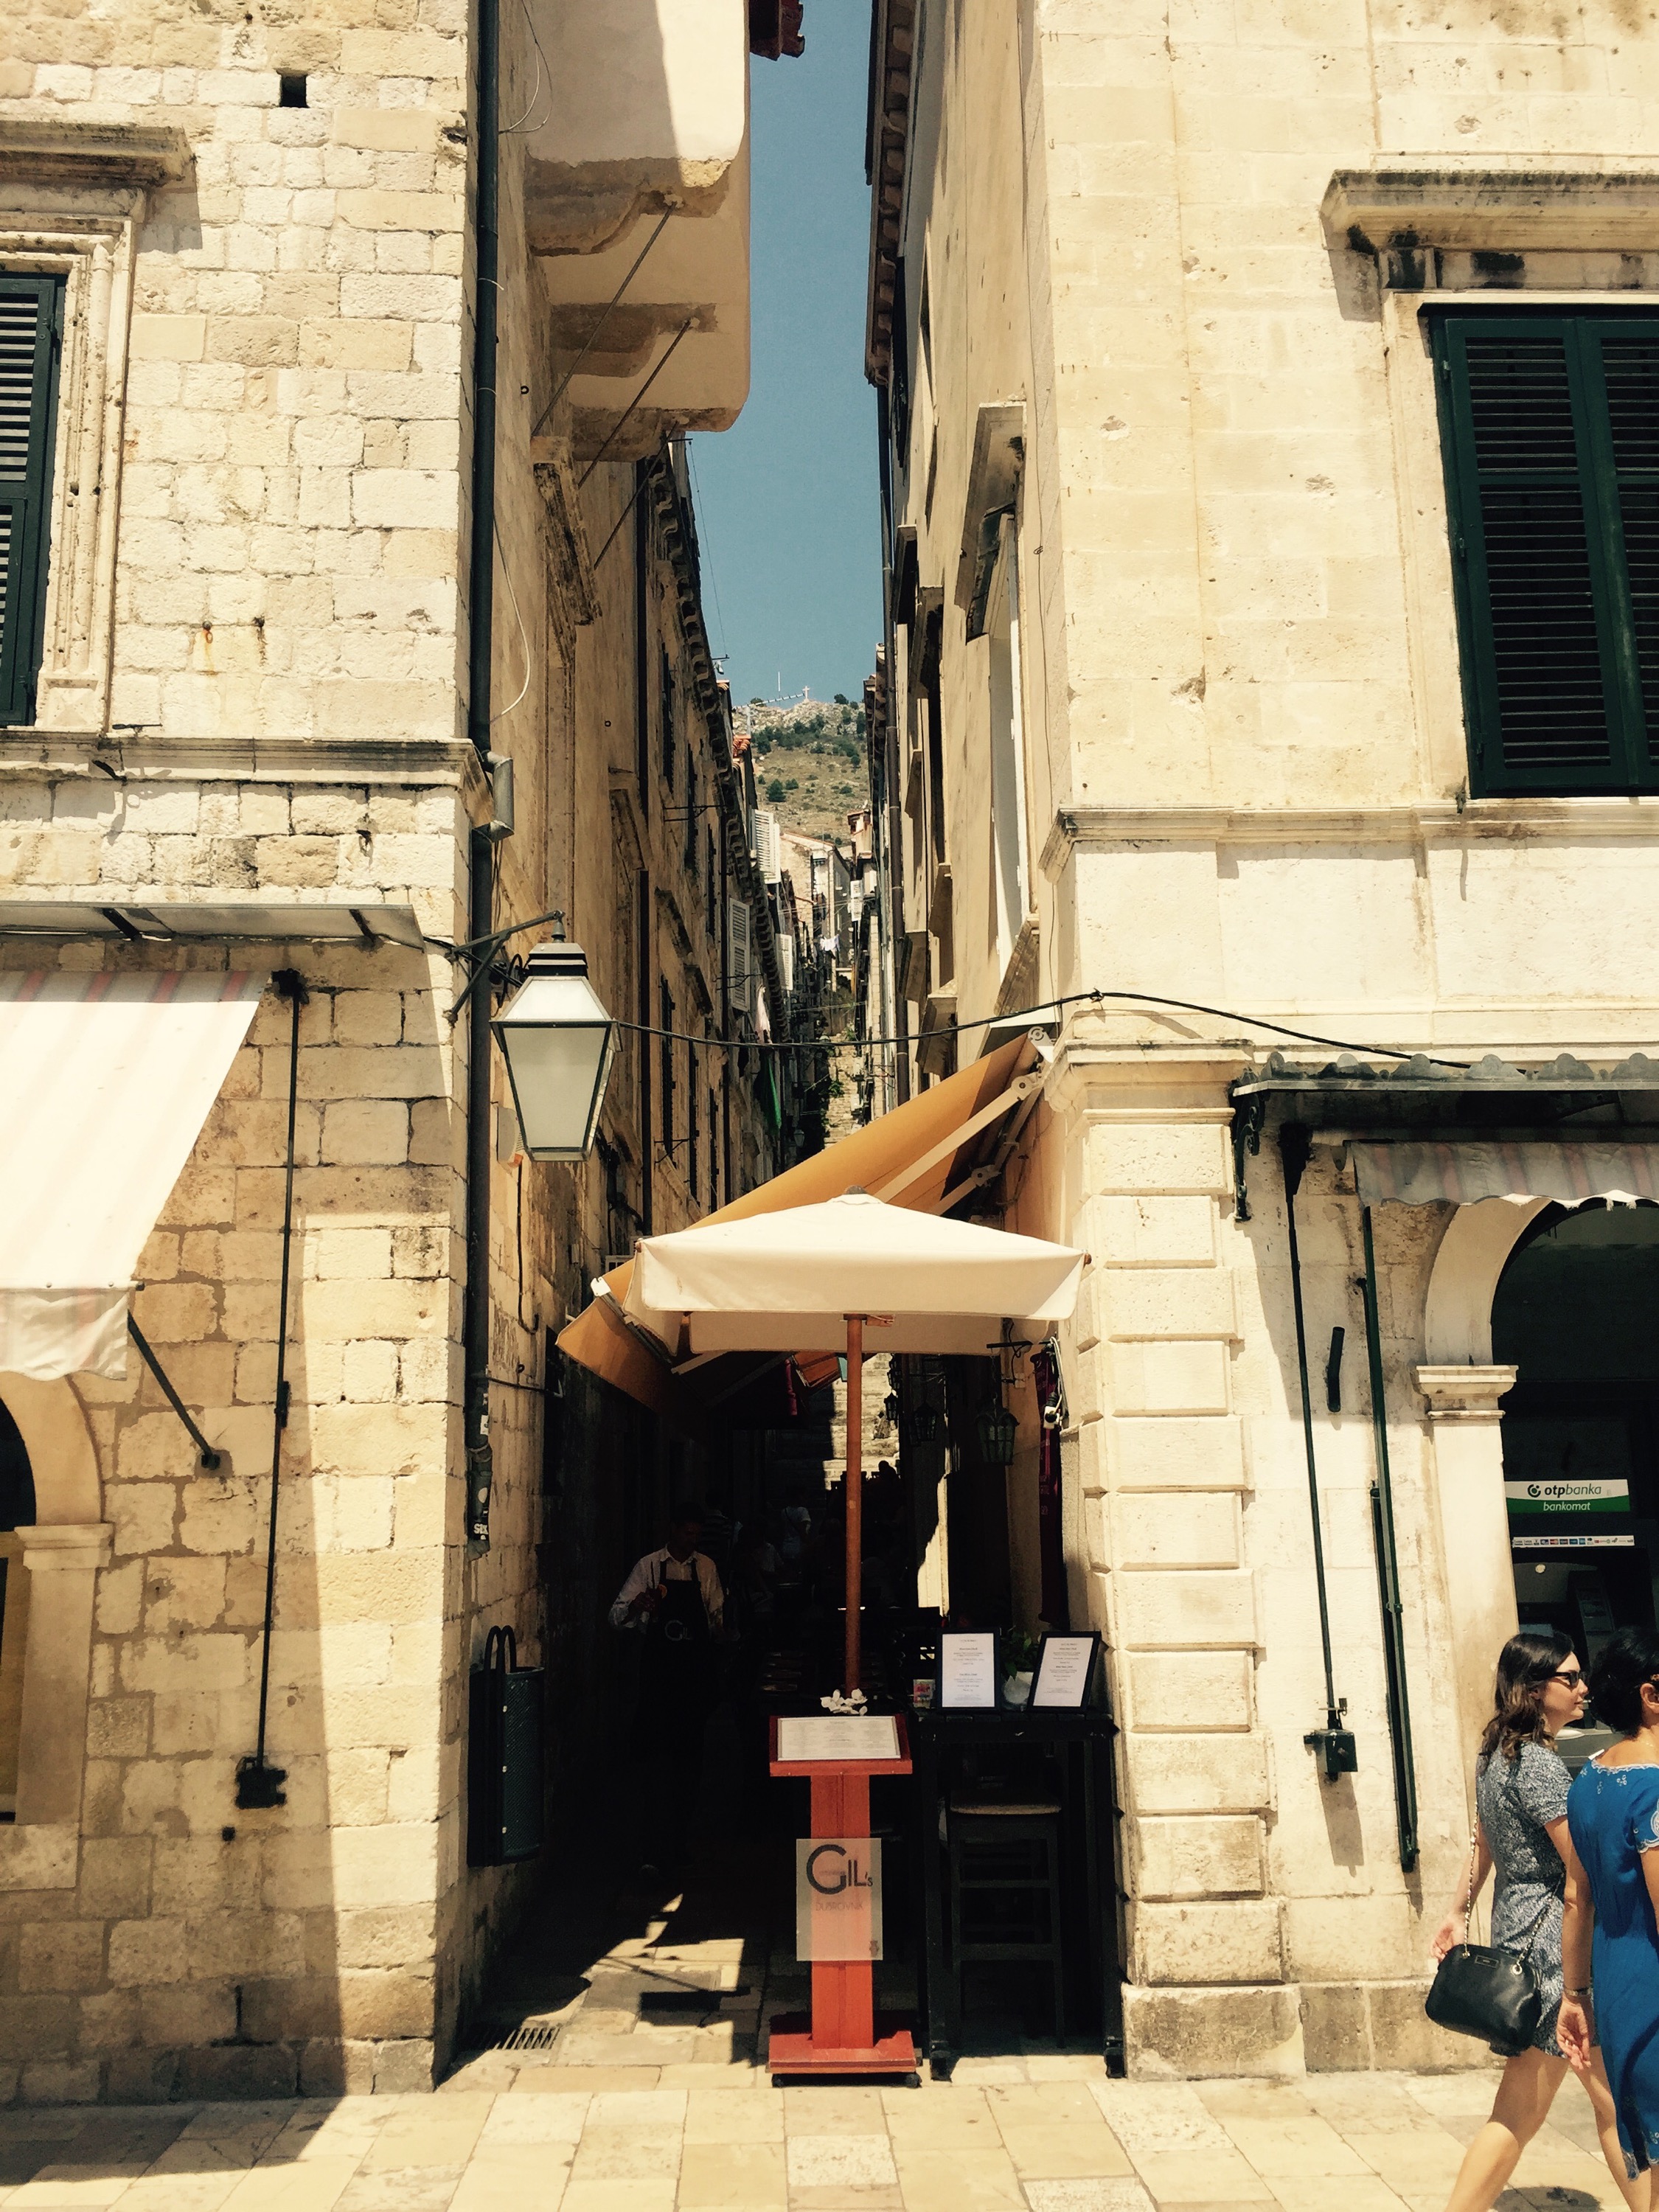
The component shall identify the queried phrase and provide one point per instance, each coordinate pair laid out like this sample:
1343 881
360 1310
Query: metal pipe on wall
474 1325
1387 1573
1333 1744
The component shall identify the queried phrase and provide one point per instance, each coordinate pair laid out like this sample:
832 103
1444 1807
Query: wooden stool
1005 1889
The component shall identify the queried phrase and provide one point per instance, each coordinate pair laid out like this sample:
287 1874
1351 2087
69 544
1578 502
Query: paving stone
720 2138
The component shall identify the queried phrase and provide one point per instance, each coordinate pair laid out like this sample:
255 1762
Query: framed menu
1065 1667
840 1736
968 1670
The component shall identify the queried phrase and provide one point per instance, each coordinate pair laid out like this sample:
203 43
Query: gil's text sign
837 1898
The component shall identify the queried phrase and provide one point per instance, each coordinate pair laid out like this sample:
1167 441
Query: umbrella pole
854 1515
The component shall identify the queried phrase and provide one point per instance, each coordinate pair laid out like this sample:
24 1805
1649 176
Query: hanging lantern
922 1423
558 1042
997 1431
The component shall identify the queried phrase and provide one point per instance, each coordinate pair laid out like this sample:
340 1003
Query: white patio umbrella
850 1273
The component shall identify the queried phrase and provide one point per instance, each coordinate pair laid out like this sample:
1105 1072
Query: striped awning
1460 1170
916 1157
104 1083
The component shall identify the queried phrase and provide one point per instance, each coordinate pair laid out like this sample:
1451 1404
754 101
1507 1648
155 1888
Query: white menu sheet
838 1735
1063 1677
967 1669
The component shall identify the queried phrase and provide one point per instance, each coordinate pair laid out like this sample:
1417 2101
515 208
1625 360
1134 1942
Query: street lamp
998 1430
558 1042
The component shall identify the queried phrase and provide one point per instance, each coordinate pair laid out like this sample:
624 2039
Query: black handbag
1485 1990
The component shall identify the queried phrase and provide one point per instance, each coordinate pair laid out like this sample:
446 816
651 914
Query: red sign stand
843 2033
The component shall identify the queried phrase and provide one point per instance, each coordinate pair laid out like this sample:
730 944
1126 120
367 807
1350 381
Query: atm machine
1584 1551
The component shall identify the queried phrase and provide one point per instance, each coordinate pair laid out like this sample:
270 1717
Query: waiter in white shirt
645 1598
672 1600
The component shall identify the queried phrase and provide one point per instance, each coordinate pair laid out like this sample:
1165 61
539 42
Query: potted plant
1018 1654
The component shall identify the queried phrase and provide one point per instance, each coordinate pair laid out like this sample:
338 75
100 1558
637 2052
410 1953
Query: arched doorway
16 1512
1575 1312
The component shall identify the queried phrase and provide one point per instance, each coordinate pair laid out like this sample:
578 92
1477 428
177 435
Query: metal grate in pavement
529 2035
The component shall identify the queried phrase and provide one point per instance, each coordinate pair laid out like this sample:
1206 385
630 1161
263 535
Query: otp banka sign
837 1896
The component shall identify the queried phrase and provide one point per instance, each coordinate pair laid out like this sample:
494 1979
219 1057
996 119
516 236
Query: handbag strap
1468 1902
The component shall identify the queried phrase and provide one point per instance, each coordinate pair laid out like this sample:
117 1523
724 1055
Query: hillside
809 764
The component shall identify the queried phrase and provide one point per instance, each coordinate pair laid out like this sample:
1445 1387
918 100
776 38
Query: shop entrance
1575 1312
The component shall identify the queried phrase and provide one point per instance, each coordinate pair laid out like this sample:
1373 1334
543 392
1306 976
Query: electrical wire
566 381
524 637
1096 998
1254 1022
512 129
626 416
1046 1005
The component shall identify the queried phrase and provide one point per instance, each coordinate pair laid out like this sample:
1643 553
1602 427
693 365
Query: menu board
1063 1669
837 1735
967 1669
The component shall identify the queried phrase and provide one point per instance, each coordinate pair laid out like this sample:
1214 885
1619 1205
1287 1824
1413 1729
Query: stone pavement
1042 2132
651 2099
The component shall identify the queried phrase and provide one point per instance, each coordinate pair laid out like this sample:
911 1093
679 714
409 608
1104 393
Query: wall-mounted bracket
210 1459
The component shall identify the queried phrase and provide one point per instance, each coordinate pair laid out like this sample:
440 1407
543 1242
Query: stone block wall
1162 1474
195 1949
290 481
254 689
1269 1925
171 1944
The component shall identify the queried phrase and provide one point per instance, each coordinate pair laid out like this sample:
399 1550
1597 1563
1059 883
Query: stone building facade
1236 660
238 294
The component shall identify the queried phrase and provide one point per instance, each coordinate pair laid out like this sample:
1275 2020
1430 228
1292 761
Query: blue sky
787 504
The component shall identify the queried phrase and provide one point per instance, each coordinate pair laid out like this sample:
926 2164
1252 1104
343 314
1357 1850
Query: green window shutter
1622 364
1550 425
30 321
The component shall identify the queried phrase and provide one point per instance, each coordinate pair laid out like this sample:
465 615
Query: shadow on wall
16 1512
1358 1813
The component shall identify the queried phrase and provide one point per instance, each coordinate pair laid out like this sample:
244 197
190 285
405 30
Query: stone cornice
1516 210
676 525
73 1545
887 153
1465 1394
1429 821
35 756
53 150
573 560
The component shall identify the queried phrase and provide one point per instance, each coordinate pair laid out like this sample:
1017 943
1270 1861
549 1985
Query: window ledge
36 151
1516 210
1594 814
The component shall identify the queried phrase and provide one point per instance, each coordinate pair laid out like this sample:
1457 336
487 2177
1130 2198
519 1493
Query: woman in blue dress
1610 1940
1521 1798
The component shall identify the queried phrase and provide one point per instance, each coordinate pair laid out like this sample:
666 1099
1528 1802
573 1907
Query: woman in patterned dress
1521 1798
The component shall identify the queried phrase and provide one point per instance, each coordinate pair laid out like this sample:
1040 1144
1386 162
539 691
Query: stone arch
1472 1255
52 1423
61 1552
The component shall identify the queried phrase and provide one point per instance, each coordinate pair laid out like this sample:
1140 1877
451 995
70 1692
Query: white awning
787 1281
1463 1169
105 1083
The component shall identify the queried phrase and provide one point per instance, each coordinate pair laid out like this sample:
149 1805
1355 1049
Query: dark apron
675 1676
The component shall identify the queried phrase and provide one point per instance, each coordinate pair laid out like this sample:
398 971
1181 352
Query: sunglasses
1572 1676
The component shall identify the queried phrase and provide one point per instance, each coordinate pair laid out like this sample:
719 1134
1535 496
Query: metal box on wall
504 1756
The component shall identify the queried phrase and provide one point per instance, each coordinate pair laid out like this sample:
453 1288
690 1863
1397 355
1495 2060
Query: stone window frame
1389 230
1433 653
72 199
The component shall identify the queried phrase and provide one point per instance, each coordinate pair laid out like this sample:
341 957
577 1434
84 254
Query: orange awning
922 1156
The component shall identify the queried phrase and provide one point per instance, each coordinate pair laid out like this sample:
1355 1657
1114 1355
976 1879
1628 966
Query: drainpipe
475 1328
642 771
1387 1574
1333 1745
